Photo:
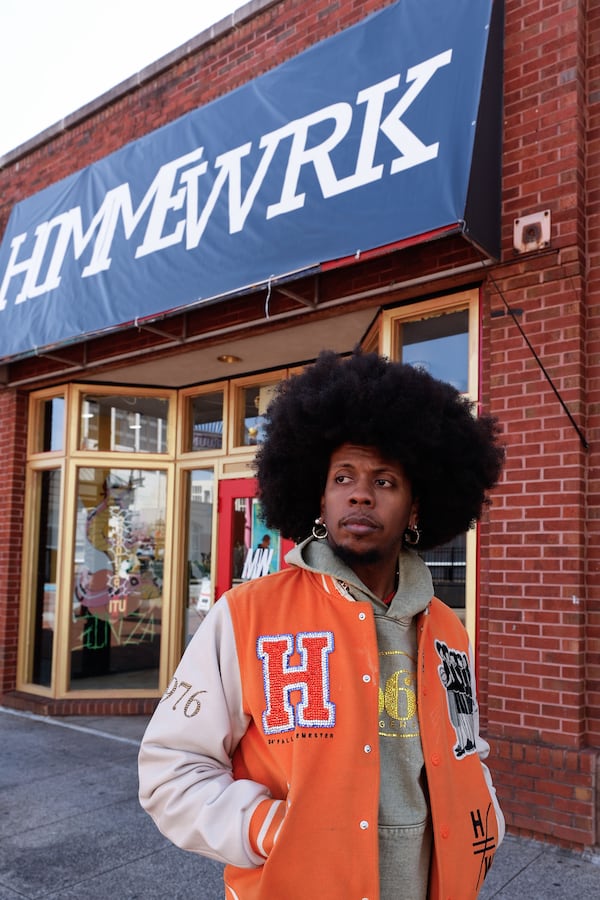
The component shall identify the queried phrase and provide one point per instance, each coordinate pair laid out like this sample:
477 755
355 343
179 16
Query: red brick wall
548 792
13 437
592 658
540 593
537 523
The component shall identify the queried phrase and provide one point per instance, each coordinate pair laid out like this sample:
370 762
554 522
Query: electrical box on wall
532 232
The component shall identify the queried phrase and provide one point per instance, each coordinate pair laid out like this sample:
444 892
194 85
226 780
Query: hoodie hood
415 587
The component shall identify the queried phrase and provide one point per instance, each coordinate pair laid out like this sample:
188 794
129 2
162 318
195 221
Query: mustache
360 519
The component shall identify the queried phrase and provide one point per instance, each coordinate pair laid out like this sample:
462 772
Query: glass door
246 547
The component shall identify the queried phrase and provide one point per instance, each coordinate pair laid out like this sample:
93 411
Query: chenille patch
296 695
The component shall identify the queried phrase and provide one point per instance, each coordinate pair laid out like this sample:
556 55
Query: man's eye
342 479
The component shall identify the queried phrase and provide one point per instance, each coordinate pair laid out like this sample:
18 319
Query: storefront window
123 423
118 578
448 567
440 335
251 413
440 345
200 491
53 426
44 626
205 422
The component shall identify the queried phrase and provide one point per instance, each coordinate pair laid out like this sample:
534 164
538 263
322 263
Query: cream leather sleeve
483 751
185 773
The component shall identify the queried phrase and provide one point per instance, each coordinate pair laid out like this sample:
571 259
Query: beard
353 558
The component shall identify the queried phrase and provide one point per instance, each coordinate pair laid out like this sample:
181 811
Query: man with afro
328 744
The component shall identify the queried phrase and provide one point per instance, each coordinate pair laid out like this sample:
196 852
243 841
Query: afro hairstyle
451 458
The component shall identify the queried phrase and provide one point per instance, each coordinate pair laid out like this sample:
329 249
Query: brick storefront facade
538 623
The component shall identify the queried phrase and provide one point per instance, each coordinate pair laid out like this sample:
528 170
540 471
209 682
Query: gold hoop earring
412 535
319 530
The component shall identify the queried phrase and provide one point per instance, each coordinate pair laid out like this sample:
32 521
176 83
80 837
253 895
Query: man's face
367 505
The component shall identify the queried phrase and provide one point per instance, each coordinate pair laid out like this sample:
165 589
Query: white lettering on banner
116 205
161 189
176 186
341 113
413 150
229 165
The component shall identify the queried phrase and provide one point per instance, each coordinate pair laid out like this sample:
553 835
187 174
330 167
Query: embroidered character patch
455 675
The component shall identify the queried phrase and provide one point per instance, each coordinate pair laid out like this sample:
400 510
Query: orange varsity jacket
263 752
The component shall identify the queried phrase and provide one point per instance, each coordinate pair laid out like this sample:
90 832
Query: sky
58 55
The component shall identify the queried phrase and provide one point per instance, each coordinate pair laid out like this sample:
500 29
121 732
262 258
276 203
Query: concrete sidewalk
71 826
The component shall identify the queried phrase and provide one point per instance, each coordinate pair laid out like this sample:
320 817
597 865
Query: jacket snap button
445 831
364 825
435 759
362 616
367 748
366 678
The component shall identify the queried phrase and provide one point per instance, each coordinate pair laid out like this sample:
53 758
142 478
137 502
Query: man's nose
362 492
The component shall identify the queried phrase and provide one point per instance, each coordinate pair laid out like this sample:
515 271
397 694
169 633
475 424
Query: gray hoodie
404 826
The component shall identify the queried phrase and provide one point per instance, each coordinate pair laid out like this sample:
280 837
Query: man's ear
413 519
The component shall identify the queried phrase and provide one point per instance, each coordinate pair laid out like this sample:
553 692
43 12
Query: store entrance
246 547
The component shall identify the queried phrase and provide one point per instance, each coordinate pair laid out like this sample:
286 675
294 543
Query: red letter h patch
314 708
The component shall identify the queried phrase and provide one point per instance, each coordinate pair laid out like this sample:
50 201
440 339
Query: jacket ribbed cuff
265 823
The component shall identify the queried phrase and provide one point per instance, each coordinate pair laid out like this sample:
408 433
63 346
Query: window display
118 575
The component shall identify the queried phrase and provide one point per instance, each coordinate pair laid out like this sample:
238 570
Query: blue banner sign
364 140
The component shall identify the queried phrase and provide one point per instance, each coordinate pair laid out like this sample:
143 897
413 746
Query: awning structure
385 133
